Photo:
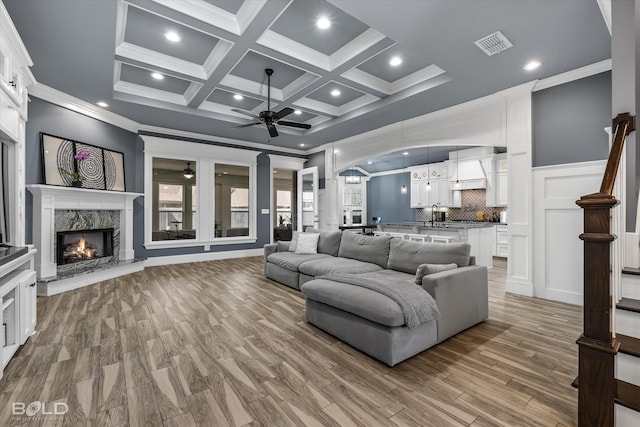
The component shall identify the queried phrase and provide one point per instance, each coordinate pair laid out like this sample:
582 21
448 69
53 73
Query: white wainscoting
558 252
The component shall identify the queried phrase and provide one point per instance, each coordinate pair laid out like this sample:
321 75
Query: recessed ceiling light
224 173
298 112
335 92
238 97
102 104
532 65
406 153
323 23
172 36
157 76
395 61
301 145
369 162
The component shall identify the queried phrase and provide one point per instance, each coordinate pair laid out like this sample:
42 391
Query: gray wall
58 121
568 121
385 200
55 120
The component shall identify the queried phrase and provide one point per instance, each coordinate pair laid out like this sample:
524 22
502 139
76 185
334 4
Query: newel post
597 347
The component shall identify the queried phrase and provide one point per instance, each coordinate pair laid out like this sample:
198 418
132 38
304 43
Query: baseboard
525 289
205 256
47 289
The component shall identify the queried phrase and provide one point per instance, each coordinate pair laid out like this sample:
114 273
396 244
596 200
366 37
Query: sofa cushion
294 241
329 241
406 256
426 269
307 244
291 261
365 248
333 265
357 300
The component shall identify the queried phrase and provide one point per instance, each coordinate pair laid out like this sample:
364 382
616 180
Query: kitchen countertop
455 225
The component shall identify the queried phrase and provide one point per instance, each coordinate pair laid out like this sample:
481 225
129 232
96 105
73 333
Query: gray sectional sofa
366 319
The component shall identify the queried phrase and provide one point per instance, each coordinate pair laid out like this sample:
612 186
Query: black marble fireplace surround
79 222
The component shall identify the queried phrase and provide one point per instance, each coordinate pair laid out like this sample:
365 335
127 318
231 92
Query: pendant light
403 189
188 172
456 186
428 186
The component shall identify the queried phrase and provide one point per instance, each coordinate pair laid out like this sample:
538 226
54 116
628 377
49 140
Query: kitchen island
480 235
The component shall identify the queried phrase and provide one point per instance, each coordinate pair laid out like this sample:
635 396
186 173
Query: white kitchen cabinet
456 199
18 305
419 196
502 241
28 310
502 193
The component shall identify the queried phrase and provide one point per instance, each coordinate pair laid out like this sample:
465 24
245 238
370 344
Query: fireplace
83 245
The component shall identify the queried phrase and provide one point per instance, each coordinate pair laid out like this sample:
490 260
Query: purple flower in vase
81 155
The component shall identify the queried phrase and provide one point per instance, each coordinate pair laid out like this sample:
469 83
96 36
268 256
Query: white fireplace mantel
48 198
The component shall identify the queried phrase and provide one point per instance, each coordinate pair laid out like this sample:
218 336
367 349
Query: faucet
433 207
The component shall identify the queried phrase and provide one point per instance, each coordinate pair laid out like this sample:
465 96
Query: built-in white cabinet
502 181
18 312
435 175
502 241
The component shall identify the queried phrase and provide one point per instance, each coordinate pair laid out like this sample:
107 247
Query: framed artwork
70 163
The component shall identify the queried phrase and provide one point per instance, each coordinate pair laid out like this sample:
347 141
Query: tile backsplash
472 201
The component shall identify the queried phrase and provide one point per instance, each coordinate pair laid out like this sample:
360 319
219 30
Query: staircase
609 348
627 327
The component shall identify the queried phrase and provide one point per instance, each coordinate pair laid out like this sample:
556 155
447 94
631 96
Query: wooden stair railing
597 347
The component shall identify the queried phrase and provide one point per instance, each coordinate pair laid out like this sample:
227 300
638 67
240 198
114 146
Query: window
231 200
283 207
174 184
198 194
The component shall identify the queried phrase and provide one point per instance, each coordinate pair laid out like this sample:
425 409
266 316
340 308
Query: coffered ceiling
117 51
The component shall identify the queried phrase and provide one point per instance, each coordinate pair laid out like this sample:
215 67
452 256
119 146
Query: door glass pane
174 199
231 200
308 214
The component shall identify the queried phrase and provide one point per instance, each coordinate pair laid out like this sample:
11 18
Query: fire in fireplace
83 245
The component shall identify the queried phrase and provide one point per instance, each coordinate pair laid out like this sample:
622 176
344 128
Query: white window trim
206 157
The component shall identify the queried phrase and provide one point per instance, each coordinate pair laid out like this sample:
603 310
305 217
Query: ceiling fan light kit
271 118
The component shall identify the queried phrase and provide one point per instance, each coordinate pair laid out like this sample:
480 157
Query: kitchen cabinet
436 175
18 304
502 241
456 199
502 183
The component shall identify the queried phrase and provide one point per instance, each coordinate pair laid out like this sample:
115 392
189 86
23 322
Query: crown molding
72 103
577 74
210 138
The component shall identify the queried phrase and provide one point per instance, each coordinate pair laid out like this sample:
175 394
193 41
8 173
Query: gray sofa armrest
269 249
283 245
462 296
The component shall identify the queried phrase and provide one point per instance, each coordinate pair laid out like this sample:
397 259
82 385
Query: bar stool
441 239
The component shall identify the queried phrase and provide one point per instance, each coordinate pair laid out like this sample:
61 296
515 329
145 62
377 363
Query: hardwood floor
217 344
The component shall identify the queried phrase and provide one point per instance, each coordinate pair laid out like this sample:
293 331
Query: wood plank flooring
217 344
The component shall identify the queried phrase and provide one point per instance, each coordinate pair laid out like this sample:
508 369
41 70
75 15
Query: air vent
494 43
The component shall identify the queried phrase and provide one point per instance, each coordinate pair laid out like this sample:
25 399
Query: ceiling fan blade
246 113
282 113
272 130
294 124
247 125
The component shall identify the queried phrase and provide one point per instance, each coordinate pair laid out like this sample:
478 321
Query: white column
520 229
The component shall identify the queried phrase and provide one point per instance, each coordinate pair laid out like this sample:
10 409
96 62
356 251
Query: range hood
470 174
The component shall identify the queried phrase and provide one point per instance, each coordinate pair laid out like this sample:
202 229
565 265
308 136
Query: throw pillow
425 269
294 241
307 244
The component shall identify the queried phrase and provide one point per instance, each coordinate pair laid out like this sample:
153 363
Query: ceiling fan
271 118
